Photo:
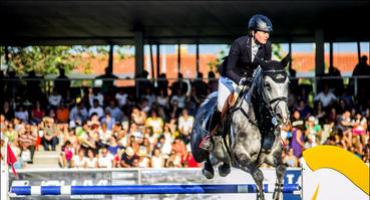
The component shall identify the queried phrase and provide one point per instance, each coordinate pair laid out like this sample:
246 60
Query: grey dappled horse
253 134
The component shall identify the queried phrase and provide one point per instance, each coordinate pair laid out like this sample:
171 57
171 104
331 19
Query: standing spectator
180 87
62 83
162 98
297 143
200 87
138 117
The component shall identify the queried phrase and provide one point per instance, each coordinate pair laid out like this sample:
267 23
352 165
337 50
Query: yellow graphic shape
340 160
314 197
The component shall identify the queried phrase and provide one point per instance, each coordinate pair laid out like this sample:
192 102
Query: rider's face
261 37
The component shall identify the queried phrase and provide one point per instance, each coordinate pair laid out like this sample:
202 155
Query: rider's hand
243 81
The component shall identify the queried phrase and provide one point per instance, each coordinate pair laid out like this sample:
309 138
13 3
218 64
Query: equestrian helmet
260 23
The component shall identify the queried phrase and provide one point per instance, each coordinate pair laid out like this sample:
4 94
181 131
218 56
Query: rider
239 67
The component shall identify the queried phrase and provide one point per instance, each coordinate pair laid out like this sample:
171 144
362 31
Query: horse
251 135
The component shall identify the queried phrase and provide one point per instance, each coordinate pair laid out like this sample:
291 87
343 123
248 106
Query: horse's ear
284 62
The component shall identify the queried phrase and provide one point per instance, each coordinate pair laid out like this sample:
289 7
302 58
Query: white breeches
225 87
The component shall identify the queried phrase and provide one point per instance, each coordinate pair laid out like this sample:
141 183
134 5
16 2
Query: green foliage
215 63
42 59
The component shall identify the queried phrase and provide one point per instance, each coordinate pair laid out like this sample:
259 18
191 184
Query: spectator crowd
112 127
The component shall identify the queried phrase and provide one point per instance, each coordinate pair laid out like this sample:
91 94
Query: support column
178 58
151 61
358 51
331 61
290 52
197 57
139 53
139 58
319 58
158 61
110 59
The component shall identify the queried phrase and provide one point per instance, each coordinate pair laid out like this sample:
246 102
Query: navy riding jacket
239 63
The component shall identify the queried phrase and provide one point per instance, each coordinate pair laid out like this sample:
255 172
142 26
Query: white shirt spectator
157 161
122 99
180 100
98 96
106 161
78 162
98 110
186 124
326 99
91 163
55 99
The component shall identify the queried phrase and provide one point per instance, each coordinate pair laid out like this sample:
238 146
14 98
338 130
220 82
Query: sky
347 47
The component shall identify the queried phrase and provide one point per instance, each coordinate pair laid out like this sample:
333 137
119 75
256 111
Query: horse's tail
204 112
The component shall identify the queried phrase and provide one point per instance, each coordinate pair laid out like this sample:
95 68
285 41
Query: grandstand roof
115 21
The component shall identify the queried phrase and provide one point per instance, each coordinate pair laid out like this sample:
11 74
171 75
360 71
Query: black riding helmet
260 23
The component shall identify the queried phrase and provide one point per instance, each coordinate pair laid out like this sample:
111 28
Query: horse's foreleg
258 178
279 185
208 171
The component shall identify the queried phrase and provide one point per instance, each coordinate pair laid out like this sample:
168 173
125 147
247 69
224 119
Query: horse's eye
268 87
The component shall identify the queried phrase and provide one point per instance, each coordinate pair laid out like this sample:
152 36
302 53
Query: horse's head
274 88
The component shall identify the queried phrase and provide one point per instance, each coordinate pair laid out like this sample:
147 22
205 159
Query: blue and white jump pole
144 189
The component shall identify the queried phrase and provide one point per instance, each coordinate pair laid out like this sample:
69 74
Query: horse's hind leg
207 170
279 185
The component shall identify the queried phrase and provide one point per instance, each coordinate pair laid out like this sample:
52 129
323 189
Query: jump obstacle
145 189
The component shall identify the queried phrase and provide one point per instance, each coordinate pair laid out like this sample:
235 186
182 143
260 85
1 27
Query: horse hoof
224 170
208 174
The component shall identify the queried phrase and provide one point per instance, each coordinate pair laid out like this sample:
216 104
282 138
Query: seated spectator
189 161
114 111
326 97
55 99
121 97
62 113
105 158
22 114
144 162
113 146
359 127
174 160
138 117
178 98
27 141
303 108
165 146
155 122
162 98
96 108
128 157
179 147
157 160
91 161
49 134
37 113
79 160
104 134
313 132
7 111
290 159
185 125
10 133
66 157
145 147
94 94
78 113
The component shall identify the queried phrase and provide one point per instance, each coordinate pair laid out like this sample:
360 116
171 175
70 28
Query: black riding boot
214 124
